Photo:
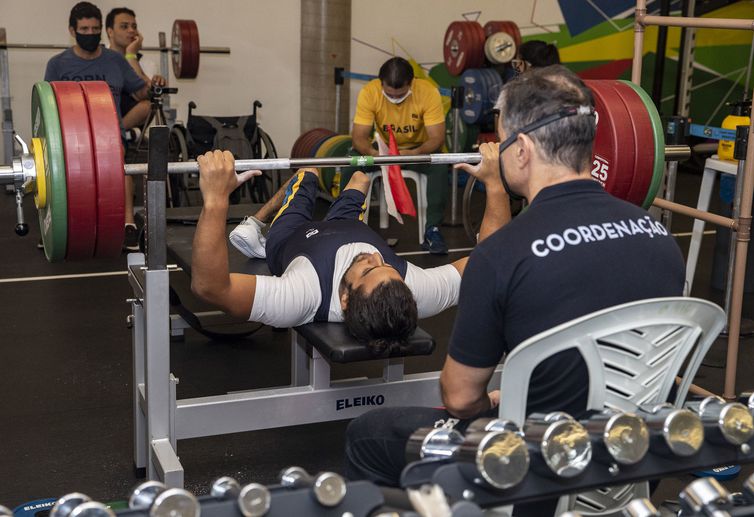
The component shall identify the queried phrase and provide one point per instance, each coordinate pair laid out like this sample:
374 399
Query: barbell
184 46
75 167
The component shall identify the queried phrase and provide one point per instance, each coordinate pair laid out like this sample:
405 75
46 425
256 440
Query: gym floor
66 415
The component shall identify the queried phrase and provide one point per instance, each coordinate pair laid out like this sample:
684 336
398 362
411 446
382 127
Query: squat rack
740 223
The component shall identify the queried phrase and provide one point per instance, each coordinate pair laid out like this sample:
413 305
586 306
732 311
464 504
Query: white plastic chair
633 353
420 180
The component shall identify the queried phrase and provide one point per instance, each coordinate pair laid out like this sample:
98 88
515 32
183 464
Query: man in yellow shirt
412 107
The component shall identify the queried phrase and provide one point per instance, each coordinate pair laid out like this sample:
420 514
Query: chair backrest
633 353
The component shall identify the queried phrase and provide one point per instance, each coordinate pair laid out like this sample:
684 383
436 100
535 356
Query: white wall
264 62
419 27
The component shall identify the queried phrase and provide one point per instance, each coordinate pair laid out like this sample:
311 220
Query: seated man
575 250
125 39
413 108
337 269
535 54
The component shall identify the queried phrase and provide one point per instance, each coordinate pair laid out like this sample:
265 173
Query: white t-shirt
293 298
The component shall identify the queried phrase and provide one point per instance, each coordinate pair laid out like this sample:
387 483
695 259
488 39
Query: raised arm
497 210
210 277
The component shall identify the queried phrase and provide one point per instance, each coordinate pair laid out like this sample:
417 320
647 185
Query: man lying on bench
333 270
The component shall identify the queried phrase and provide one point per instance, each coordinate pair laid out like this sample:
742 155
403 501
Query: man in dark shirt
87 60
575 250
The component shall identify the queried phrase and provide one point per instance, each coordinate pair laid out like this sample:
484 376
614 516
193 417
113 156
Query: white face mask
398 100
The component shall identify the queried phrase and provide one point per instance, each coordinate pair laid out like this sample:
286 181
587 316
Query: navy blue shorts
298 209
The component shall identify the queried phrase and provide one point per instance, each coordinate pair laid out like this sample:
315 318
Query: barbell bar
10 175
59 46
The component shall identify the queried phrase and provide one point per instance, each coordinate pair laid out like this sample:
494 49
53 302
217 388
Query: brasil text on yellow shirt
409 118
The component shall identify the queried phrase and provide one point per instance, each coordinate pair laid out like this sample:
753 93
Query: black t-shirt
576 250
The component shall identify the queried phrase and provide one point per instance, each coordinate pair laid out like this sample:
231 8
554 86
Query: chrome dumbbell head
499 458
558 441
254 500
747 399
618 437
92 509
673 431
328 488
640 508
65 505
492 424
175 502
225 488
726 422
705 496
430 442
144 495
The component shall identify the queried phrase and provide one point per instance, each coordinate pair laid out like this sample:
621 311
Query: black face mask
548 119
88 42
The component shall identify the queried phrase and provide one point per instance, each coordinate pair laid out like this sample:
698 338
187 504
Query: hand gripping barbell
75 167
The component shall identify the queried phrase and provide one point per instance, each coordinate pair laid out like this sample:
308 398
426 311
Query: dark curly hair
382 320
83 10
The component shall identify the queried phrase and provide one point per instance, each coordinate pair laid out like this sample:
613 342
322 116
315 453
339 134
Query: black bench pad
336 344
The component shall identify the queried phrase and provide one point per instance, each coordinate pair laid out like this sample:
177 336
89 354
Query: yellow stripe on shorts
293 188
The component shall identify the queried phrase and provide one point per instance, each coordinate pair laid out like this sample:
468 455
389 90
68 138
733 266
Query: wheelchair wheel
178 152
472 208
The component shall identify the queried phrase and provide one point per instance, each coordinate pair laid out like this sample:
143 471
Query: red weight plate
478 53
484 138
81 181
108 167
193 58
643 136
304 143
614 146
462 47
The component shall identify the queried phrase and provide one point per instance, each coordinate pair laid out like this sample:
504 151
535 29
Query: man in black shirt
575 250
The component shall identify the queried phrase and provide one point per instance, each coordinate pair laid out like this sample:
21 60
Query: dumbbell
498 458
559 445
726 422
640 508
253 499
705 496
328 488
79 505
162 501
673 431
617 437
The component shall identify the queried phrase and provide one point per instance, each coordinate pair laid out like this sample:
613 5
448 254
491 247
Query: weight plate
320 140
40 191
53 218
643 136
314 139
658 134
499 48
613 154
463 46
185 44
108 168
301 145
81 182
474 92
508 27
335 146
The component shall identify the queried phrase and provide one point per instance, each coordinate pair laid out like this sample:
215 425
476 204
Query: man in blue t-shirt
575 250
87 60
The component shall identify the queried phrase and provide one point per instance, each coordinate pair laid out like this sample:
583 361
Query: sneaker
433 241
248 239
131 241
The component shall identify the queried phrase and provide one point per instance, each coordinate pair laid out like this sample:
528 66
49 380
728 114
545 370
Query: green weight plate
442 77
53 218
659 140
339 147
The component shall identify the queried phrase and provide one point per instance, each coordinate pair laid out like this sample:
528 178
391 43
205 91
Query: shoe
433 241
131 241
248 239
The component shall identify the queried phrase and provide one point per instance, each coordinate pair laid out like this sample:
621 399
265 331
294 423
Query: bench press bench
161 419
